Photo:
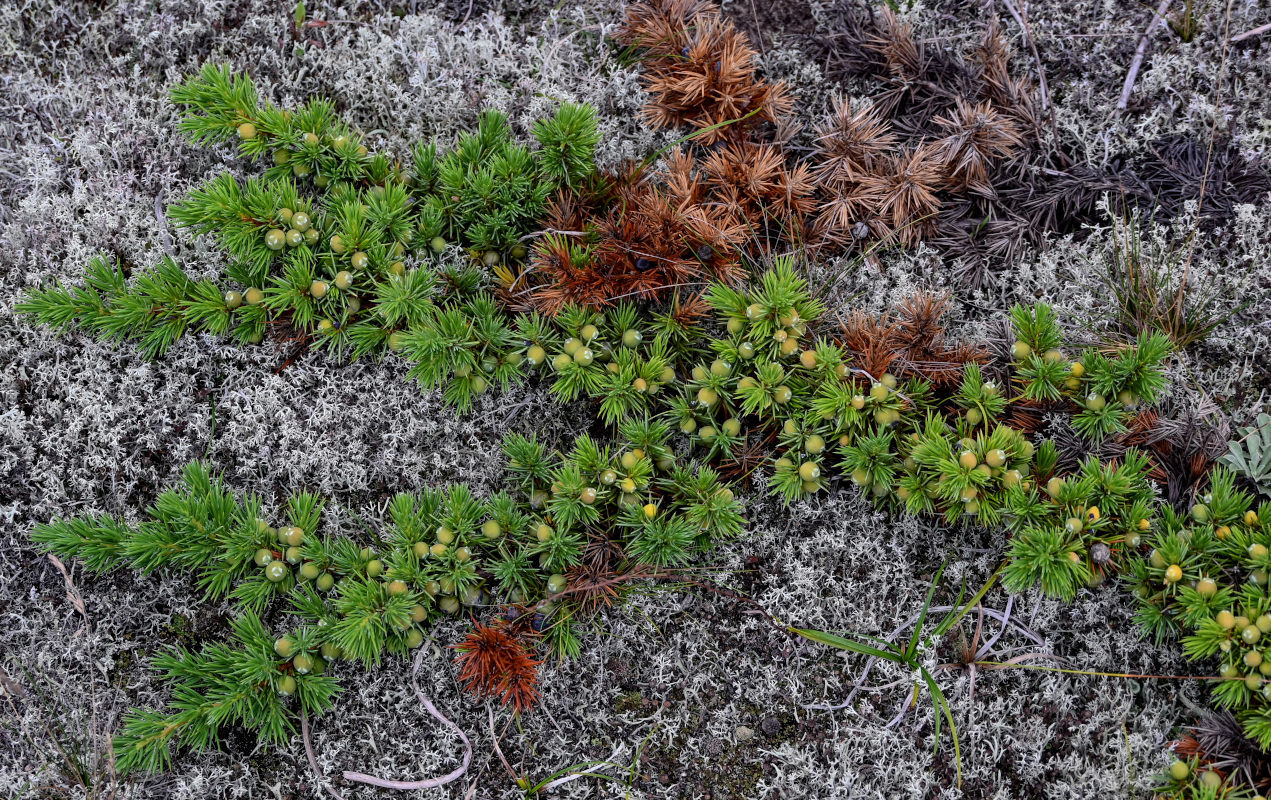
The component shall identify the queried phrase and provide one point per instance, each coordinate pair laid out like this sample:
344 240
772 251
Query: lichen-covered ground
683 694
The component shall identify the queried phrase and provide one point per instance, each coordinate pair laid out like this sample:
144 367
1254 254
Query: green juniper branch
447 551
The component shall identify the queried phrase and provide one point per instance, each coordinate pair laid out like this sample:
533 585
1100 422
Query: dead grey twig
429 783
1249 34
1158 16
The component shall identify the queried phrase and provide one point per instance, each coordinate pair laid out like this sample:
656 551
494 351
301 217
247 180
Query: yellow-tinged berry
318 289
374 567
1251 518
275 239
1225 619
1173 573
808 359
1207 587
968 460
814 444
782 394
1054 486
1020 351
650 510
995 458
247 131
1179 770
1222 531
587 495
253 296
809 471
397 587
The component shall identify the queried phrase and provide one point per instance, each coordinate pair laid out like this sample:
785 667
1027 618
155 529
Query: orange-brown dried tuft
493 662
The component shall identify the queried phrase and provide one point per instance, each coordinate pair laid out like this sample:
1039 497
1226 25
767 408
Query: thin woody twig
1032 46
429 783
1261 29
1158 16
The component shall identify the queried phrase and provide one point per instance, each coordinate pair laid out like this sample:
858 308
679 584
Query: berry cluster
1206 580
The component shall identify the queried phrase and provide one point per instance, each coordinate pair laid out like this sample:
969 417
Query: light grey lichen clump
89 156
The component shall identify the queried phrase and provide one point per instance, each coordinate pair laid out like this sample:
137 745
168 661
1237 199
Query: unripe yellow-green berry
300 221
397 587
295 238
359 260
275 239
491 529
374 567
809 471
968 460
782 395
